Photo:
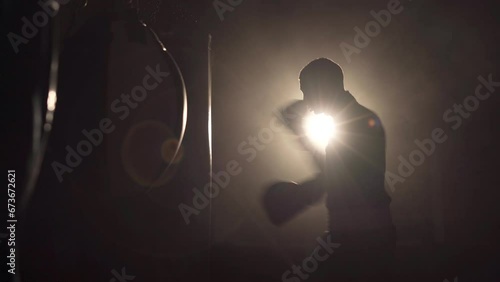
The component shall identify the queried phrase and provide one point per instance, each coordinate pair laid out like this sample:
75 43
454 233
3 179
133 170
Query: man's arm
293 117
284 200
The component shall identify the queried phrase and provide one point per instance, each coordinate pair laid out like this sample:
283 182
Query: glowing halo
320 129
147 146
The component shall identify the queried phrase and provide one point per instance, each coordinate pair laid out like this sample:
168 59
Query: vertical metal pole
210 150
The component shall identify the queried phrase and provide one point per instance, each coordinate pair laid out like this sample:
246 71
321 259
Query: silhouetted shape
352 177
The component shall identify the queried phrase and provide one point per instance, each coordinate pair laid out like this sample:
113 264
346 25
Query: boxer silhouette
352 169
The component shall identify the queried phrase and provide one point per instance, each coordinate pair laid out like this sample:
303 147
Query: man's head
321 81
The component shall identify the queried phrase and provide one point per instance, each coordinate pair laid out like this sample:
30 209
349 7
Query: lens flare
320 129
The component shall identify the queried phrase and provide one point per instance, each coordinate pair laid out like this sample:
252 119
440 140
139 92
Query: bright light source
320 129
51 100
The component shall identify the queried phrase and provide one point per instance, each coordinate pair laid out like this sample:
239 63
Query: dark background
427 59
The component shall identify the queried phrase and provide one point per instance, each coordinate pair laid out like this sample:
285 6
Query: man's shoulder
367 119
